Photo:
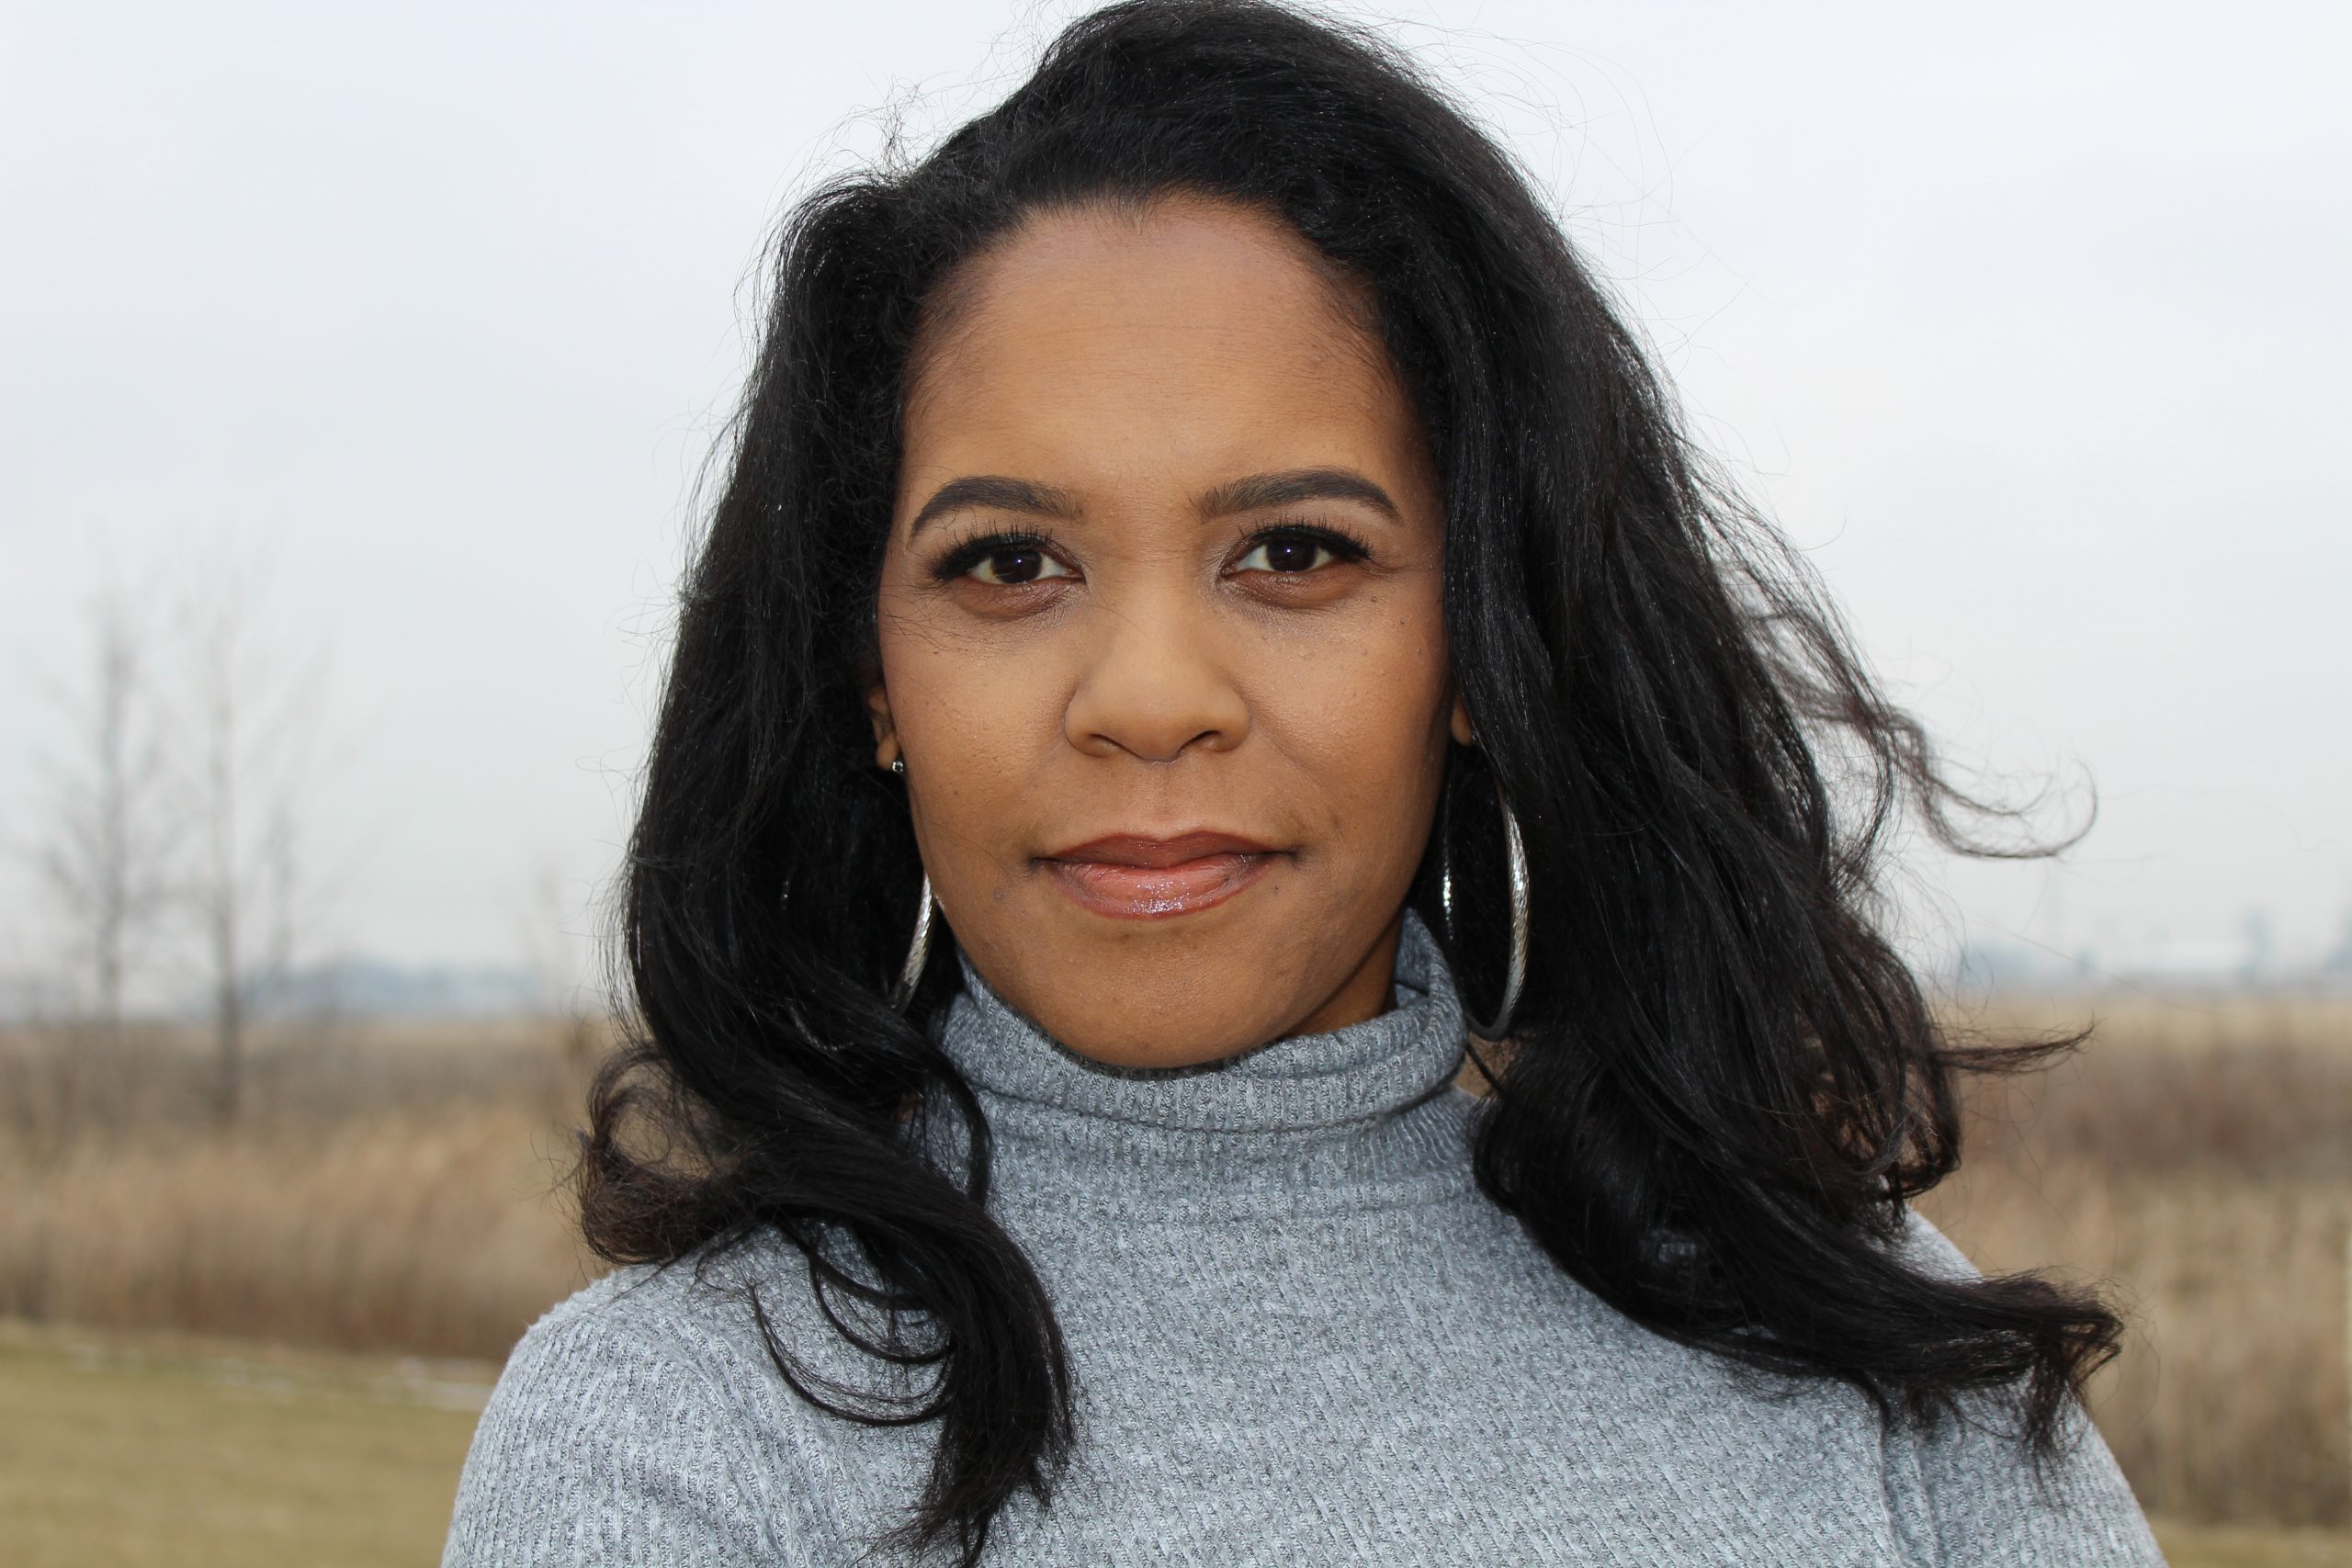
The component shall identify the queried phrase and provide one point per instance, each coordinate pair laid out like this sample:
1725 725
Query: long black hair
1722 1080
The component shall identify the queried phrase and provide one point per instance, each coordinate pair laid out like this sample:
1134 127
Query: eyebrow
1260 491
998 492
1251 493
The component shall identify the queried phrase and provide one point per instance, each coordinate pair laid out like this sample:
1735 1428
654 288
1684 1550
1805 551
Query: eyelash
1345 548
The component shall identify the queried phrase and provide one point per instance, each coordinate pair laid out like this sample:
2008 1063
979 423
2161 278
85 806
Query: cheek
975 720
1361 711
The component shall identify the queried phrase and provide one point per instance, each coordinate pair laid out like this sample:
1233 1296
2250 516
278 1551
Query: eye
1294 552
1003 560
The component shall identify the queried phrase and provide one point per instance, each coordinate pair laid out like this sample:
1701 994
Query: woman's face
1165 561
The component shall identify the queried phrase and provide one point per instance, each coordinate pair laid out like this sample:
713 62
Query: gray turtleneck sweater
1299 1334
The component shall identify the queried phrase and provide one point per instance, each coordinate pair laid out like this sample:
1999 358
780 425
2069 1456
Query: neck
1359 1112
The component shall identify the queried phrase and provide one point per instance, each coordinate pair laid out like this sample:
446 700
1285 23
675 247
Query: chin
1133 1026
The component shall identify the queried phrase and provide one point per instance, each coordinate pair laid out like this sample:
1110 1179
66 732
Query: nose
1154 681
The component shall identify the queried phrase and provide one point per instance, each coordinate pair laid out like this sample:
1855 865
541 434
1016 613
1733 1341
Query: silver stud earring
898 766
1518 899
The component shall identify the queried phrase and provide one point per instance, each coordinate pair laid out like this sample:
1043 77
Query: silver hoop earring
1519 879
917 953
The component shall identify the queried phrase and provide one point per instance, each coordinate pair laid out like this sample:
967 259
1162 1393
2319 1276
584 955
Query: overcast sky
2028 321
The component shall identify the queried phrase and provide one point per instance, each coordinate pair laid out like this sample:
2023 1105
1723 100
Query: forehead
1190 332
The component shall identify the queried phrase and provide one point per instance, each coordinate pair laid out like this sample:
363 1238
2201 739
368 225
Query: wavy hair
1722 1081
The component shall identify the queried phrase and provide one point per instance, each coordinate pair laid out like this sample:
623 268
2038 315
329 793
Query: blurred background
358 368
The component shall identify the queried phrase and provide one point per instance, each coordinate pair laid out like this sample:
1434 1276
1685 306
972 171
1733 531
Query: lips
1134 877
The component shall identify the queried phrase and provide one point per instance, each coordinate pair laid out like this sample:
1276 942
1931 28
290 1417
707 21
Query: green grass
2238 1546
130 1450
125 1451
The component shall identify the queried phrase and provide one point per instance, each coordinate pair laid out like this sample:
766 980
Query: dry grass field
387 1189
391 1191
2196 1157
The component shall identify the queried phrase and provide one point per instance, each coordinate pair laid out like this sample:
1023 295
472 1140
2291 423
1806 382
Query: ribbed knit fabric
1299 1334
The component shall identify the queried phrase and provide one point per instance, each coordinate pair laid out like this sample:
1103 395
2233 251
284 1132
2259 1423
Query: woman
1210 627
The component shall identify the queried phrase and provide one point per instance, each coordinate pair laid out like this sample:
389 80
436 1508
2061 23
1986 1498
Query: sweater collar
1356 1072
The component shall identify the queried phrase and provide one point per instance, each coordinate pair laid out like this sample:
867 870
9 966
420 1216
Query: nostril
1156 709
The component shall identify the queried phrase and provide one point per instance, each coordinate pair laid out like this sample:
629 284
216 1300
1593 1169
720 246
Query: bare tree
554 931
103 844
251 725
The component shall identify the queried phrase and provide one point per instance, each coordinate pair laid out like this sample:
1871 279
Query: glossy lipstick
1132 876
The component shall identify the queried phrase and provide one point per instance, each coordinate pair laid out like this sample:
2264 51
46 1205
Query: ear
885 734
1463 734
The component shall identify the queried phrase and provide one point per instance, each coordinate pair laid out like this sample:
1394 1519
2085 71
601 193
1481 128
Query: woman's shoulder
622 1429
675 1307
1922 1244
1965 1483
